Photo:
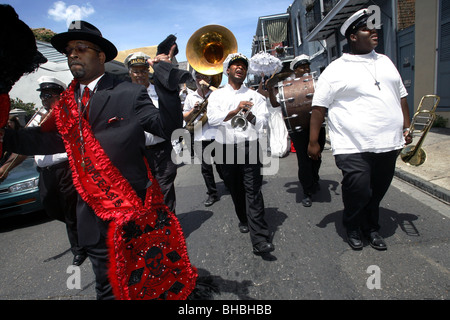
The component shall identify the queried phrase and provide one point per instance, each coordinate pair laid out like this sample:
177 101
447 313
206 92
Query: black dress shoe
211 199
354 240
79 259
243 228
307 201
263 247
376 241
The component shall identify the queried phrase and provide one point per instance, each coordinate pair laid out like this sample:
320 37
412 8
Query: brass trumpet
421 123
239 121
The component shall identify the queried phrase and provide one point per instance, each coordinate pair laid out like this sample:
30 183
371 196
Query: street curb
425 186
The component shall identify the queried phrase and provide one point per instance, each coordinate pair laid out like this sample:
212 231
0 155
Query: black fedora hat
82 30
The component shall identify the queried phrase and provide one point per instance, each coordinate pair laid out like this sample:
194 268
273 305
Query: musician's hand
314 151
408 137
196 106
245 105
163 57
203 83
251 118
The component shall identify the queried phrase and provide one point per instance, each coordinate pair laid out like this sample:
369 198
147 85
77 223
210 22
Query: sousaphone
208 48
206 51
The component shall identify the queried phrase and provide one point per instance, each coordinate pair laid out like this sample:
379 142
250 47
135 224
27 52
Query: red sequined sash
148 256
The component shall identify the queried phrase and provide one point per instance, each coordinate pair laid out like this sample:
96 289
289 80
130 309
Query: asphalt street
311 261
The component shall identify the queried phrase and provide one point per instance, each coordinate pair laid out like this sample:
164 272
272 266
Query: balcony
282 53
313 15
323 22
272 36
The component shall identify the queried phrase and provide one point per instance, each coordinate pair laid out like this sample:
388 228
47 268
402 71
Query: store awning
335 18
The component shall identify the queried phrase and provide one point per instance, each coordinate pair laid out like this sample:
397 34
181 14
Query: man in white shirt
204 133
241 168
308 169
57 192
368 119
158 150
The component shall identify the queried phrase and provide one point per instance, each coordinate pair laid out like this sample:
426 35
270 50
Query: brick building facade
406 13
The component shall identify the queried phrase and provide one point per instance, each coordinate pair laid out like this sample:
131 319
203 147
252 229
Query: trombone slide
421 123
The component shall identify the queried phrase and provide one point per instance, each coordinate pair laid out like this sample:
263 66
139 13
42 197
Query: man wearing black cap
102 122
368 119
159 150
57 193
241 168
308 169
203 133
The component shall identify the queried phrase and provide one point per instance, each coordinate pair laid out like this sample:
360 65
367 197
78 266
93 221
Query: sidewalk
433 176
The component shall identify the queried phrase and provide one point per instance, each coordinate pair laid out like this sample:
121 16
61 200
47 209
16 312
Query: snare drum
295 100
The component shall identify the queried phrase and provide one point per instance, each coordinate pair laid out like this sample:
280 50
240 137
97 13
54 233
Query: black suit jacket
122 138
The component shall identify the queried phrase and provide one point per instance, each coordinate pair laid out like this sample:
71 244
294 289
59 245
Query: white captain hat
301 59
136 59
233 57
356 20
47 82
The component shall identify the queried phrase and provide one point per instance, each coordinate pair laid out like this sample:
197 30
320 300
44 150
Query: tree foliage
27 107
43 34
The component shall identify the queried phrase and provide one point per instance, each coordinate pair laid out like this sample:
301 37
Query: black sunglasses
80 48
46 96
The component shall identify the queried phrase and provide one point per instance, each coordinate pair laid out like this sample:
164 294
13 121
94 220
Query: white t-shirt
225 99
201 133
362 117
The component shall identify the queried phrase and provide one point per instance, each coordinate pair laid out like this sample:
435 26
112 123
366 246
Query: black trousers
164 170
308 169
366 179
207 160
99 257
243 178
59 198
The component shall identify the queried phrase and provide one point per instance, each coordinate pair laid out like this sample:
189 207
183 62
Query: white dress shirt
226 99
151 139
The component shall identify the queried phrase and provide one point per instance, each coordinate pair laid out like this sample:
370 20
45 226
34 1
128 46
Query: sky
133 24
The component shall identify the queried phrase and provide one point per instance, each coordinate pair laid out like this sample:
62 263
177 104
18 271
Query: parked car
19 192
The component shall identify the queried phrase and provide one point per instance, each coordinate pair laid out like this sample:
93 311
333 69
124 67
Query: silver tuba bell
239 121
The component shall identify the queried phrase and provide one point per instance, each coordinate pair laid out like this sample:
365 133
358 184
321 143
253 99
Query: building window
443 77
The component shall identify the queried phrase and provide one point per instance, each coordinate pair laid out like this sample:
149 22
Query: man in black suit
118 113
159 150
